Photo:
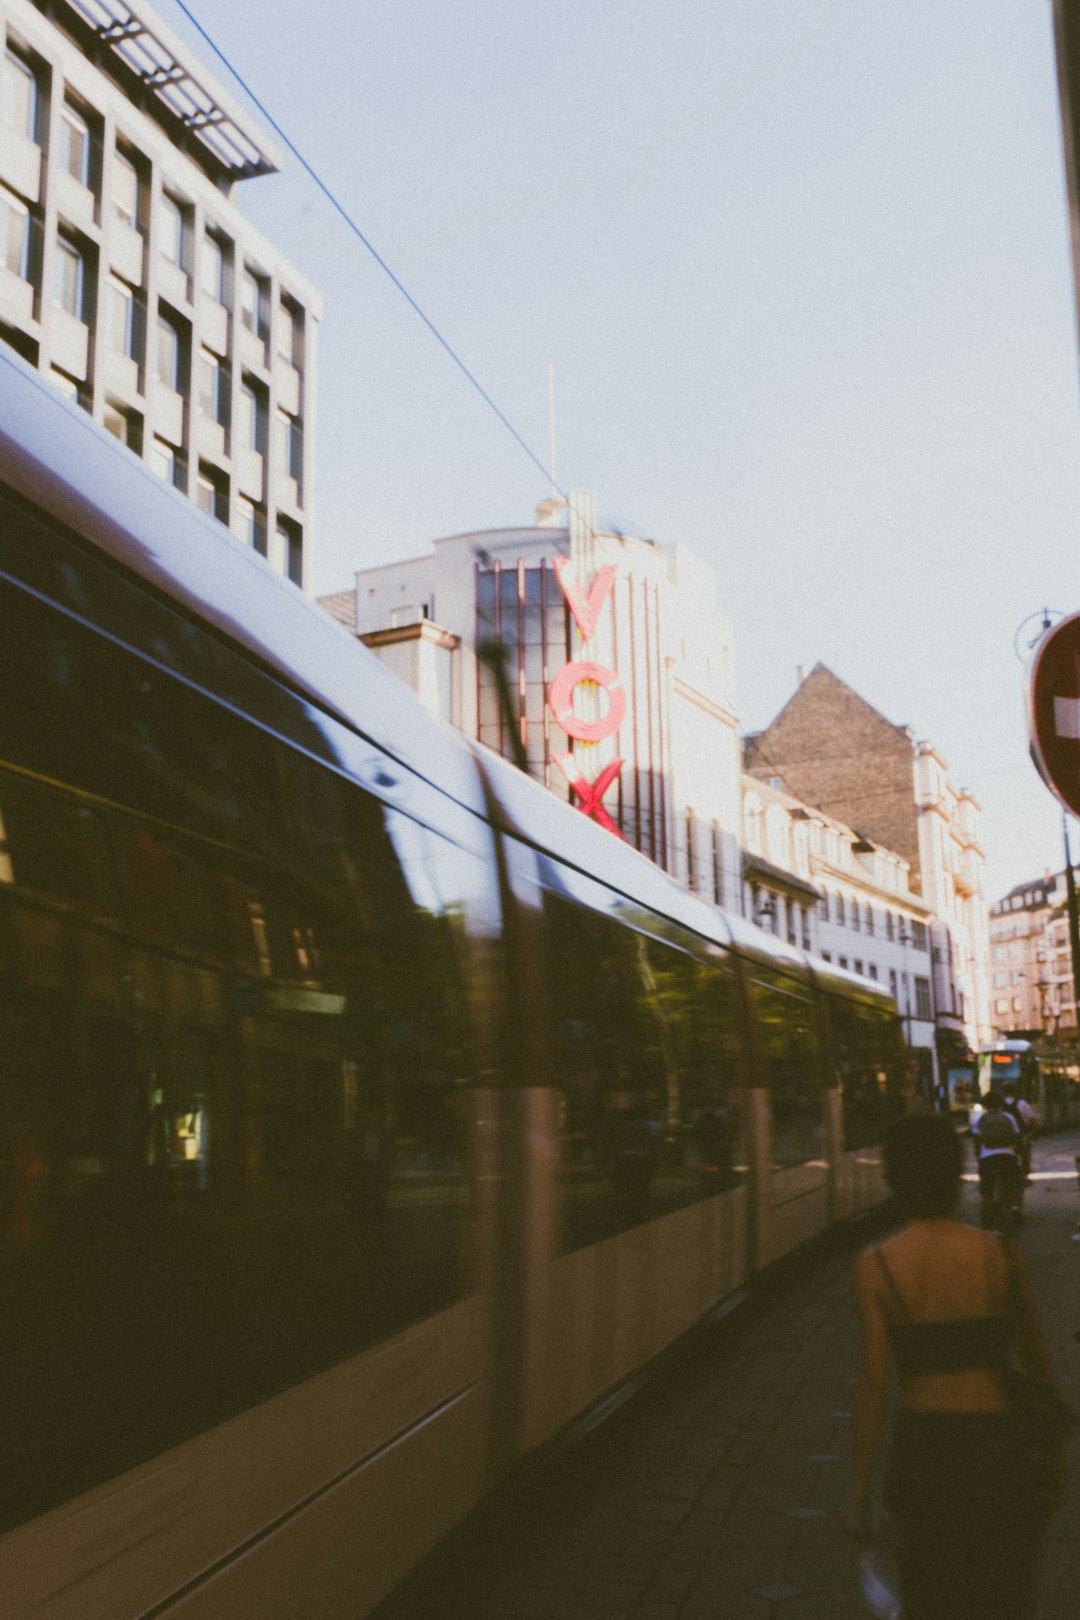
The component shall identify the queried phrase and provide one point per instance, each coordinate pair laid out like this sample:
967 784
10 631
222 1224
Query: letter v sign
586 609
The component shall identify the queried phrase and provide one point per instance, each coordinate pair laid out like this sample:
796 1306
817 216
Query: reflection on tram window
649 1061
239 1041
869 1055
785 1020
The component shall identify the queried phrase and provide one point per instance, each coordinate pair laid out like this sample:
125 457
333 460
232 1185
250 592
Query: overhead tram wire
340 209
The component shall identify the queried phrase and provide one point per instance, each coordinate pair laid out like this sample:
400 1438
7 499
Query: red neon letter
586 609
561 700
590 793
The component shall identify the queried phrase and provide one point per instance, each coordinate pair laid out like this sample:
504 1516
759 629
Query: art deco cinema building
131 281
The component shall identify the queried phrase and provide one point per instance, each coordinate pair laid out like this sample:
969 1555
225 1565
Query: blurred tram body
366 1114
1047 1076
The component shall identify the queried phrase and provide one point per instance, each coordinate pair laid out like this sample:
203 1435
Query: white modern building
616 688
129 278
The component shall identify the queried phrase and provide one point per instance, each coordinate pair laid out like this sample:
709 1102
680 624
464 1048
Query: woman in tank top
948 1306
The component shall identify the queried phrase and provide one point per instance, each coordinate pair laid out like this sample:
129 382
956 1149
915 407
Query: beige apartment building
1031 960
815 881
130 280
831 749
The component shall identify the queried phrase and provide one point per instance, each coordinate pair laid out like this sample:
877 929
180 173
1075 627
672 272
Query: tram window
868 1052
647 1053
784 1017
234 1101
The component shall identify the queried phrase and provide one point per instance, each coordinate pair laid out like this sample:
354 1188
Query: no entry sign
1054 711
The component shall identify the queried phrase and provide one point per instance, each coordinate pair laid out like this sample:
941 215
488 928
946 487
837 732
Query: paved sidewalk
716 1496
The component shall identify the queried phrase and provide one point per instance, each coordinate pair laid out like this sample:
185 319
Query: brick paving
714 1495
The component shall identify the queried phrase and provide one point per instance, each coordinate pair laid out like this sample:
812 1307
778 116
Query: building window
212 493
251 428
691 851
212 277
123 424
824 905
856 920
804 919
121 317
164 460
291 445
841 961
69 271
752 818
213 387
19 96
292 543
892 983
923 1007
15 235
290 332
717 864
890 925
872 970
826 956
74 145
124 190
250 525
840 909
174 230
869 918
169 354
857 965
67 385
918 934
253 302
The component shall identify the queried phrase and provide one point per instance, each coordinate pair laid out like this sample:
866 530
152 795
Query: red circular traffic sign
1054 711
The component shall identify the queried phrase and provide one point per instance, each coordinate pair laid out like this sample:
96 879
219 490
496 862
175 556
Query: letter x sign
1054 711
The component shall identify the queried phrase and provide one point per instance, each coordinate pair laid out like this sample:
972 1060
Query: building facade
598 661
832 750
1031 961
817 883
129 278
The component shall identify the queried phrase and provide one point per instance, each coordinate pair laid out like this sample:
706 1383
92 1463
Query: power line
340 209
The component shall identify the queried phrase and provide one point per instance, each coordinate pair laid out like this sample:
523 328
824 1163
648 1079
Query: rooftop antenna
553 468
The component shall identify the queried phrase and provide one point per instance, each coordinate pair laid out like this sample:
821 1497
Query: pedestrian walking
951 1308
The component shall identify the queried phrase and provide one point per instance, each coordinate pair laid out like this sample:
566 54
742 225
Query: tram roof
53 454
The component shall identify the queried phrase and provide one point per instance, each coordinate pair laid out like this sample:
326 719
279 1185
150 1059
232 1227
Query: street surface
714 1495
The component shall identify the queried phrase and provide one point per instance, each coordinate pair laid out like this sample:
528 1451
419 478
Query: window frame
173 380
65 254
124 165
28 123
16 209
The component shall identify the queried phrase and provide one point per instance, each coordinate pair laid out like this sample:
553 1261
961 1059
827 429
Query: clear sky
803 274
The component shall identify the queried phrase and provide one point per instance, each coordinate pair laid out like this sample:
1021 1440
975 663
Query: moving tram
366 1115
1047 1075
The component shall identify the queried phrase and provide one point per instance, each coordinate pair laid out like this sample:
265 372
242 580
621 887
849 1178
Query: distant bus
1048 1077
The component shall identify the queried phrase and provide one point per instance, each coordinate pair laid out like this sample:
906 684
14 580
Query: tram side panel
645 1128
871 1066
239 998
793 1125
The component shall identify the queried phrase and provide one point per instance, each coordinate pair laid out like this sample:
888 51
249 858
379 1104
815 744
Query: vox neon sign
586 608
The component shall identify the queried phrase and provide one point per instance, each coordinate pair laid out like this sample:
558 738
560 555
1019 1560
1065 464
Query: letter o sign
561 701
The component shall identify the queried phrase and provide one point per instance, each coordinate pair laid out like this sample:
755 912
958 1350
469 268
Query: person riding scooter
1026 1118
996 1137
